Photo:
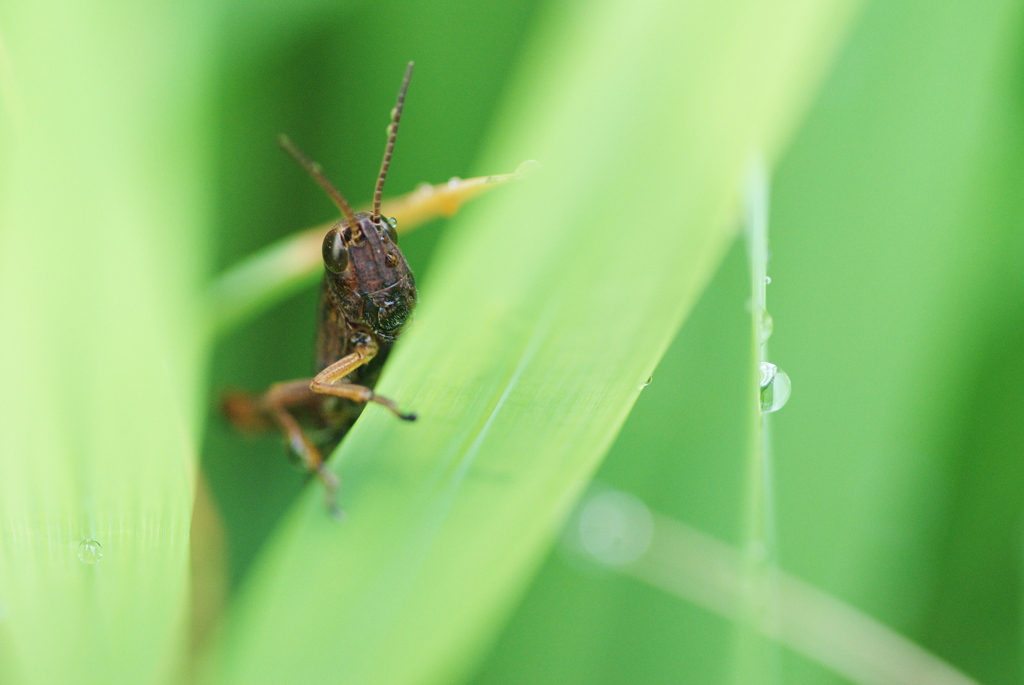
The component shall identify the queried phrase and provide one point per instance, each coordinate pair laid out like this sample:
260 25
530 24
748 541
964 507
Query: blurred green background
897 295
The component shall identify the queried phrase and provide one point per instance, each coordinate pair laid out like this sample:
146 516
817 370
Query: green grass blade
698 568
551 305
757 659
99 354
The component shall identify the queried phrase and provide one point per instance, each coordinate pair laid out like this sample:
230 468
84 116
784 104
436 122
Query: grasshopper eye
335 252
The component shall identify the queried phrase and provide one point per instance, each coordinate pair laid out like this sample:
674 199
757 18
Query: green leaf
550 306
101 350
896 291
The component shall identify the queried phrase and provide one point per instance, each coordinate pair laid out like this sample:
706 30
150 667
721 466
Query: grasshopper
366 297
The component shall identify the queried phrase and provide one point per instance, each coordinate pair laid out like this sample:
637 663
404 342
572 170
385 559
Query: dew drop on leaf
775 388
89 551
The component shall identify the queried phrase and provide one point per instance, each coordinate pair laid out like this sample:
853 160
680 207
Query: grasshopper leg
326 382
256 413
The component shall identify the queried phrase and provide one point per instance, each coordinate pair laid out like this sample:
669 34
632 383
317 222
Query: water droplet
615 527
89 551
526 168
775 388
425 189
767 326
454 182
767 280
768 371
393 221
648 381
394 111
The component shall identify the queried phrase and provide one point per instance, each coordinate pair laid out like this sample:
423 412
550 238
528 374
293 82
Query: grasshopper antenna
317 173
396 115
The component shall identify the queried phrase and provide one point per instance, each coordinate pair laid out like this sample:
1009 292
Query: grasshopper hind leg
260 413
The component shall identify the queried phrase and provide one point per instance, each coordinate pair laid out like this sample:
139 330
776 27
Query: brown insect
366 297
